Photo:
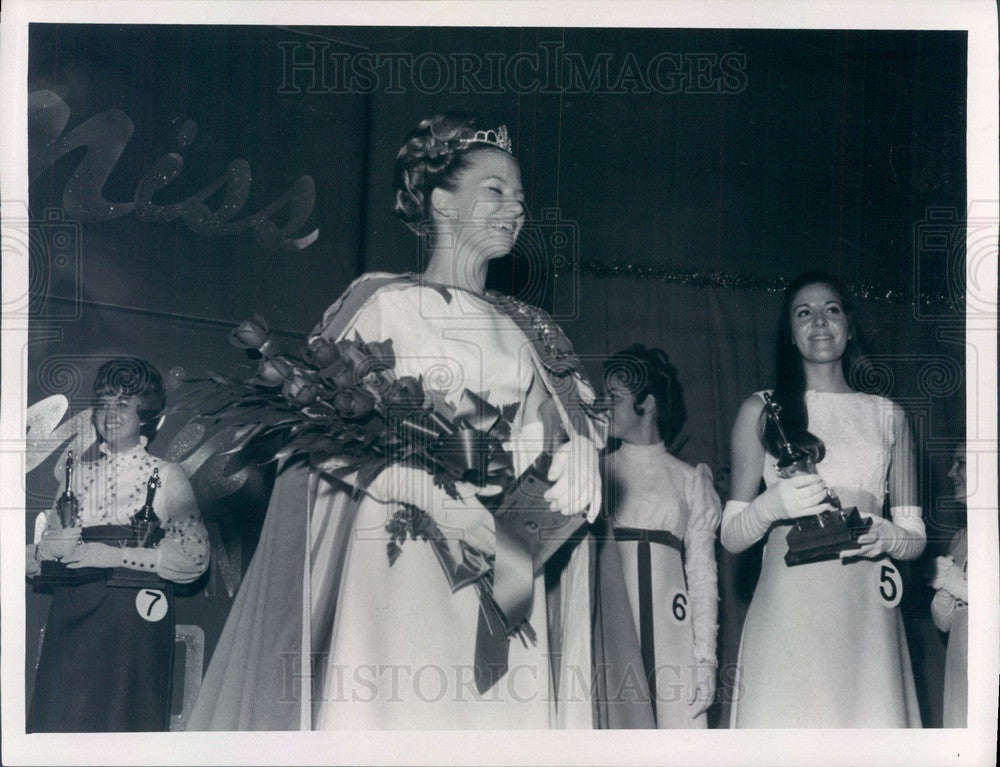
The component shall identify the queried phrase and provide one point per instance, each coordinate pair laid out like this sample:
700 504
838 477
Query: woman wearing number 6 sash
823 643
664 515
396 647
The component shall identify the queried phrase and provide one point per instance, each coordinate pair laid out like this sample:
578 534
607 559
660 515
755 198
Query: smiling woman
458 187
105 664
846 663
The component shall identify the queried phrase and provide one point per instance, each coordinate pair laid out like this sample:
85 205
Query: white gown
646 488
402 649
821 647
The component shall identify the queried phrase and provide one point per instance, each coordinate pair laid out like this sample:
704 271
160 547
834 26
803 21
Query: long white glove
576 477
943 608
949 577
465 519
903 538
743 524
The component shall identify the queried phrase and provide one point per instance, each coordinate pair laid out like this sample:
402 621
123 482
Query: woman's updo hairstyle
648 371
432 156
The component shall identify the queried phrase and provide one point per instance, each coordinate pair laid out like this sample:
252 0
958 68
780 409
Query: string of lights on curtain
952 294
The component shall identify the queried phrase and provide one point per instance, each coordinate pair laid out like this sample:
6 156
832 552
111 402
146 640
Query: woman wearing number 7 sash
398 648
823 643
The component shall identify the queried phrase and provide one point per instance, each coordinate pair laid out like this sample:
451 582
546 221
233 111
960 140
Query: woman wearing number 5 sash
823 643
664 514
396 647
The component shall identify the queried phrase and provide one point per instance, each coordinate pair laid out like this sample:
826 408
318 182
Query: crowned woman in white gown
390 645
823 643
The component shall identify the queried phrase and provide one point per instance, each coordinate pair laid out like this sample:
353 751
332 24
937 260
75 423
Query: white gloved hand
32 566
58 542
942 566
576 477
463 519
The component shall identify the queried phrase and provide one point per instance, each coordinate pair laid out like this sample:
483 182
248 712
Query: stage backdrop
114 113
675 178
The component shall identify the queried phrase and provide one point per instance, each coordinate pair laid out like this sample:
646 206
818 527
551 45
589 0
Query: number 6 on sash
678 607
890 584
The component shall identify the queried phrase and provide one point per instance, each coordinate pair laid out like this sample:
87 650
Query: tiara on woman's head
497 138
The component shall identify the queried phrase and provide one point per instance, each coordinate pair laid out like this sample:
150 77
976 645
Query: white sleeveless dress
821 645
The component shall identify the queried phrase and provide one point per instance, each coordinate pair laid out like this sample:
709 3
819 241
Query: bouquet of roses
342 404
326 400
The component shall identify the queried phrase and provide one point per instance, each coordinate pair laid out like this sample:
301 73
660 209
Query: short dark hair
134 377
648 371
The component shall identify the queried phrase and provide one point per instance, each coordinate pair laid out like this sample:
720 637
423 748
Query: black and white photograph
433 383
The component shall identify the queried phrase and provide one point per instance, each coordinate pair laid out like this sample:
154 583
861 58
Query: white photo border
973 745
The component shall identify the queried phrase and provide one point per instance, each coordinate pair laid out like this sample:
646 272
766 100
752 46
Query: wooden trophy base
126 578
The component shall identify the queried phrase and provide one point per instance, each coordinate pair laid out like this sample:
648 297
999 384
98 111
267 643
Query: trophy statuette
146 533
68 506
67 515
814 537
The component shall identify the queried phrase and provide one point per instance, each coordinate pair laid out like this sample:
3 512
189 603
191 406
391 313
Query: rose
382 353
299 390
340 374
353 403
322 352
378 382
367 357
272 372
353 355
406 392
253 336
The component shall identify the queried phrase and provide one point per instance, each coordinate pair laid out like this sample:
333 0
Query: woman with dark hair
104 666
950 606
399 648
823 643
664 515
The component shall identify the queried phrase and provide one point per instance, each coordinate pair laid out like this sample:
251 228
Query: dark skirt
103 666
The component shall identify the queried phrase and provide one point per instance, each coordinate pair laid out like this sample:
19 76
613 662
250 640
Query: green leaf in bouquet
393 551
446 483
220 379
